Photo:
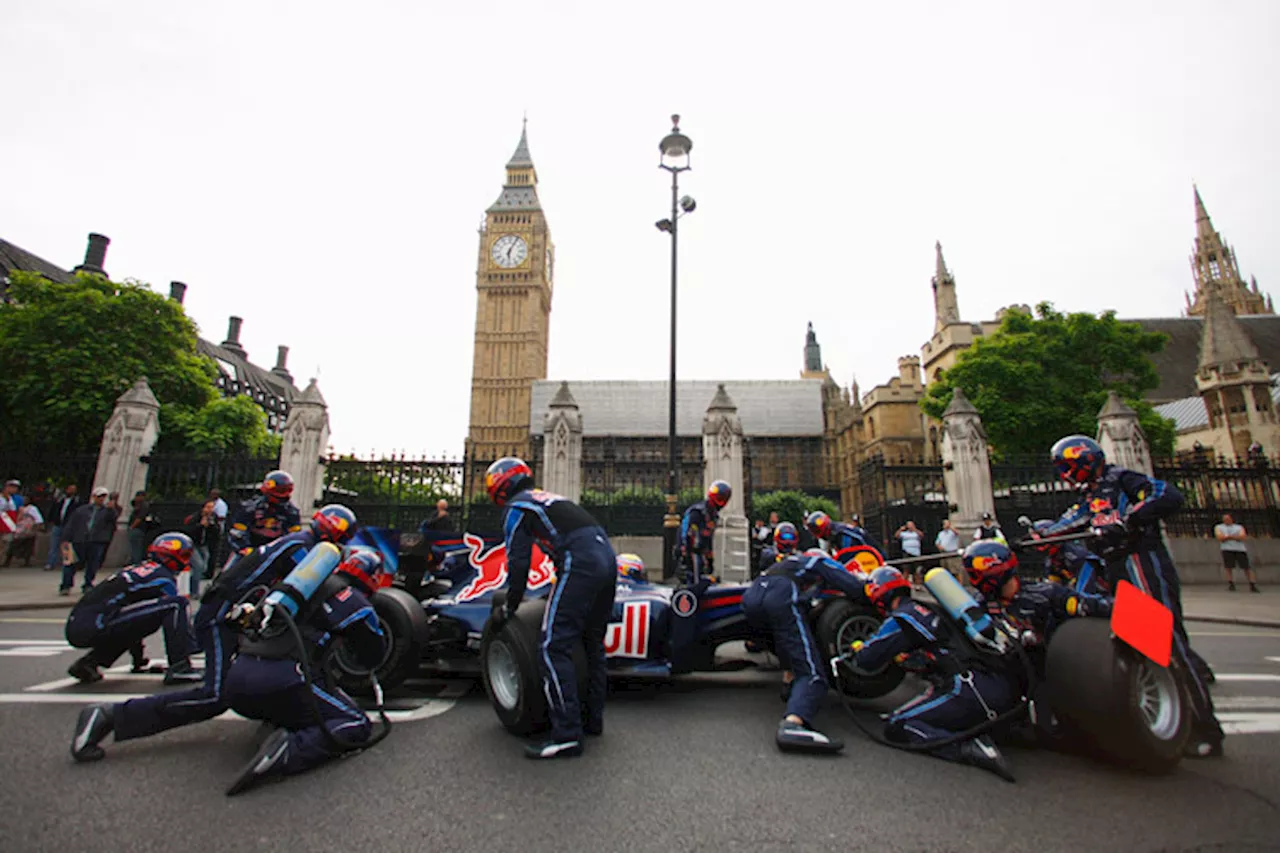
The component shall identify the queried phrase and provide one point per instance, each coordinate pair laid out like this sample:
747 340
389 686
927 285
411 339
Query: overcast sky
320 169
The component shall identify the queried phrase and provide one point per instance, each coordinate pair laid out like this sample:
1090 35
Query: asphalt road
683 766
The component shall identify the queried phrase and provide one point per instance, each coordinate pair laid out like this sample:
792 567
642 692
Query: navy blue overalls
1139 502
261 521
1042 607
848 536
262 567
778 601
581 602
962 690
697 544
266 681
120 612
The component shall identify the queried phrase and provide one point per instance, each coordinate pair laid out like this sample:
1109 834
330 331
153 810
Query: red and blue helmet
365 567
818 523
718 494
630 566
785 537
884 585
277 486
172 550
334 523
989 564
506 477
1079 460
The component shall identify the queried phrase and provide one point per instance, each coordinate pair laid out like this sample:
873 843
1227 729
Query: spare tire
1129 708
841 622
404 623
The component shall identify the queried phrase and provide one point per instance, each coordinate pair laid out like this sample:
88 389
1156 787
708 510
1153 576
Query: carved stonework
966 465
1121 436
562 465
130 434
306 438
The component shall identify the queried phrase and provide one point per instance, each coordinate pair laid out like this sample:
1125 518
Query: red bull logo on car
491 568
630 637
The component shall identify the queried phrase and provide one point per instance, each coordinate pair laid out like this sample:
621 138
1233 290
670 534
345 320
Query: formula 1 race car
437 615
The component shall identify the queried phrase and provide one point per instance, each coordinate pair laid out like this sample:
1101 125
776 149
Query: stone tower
1235 384
946 309
1214 268
514 277
813 368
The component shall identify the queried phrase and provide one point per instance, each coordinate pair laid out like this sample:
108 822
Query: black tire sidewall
827 632
520 634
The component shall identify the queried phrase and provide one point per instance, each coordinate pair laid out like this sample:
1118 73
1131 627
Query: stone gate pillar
562 446
129 436
302 453
1121 436
966 465
722 454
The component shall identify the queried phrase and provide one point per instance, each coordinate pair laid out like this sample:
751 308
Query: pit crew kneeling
118 614
965 688
276 680
777 601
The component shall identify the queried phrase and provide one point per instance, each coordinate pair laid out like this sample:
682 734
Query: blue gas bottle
965 609
299 585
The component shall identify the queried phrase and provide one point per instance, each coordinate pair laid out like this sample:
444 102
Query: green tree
1036 379
221 427
69 350
792 506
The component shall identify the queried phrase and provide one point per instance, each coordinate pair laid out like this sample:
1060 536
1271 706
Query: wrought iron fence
892 495
1031 487
43 475
1250 494
394 492
177 484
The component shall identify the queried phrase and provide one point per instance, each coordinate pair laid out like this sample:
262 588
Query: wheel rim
857 627
347 663
1158 700
504 675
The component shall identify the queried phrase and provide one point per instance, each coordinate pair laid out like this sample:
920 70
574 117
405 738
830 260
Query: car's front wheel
839 625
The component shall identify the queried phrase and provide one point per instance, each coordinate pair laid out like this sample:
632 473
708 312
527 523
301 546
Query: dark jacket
439 522
104 525
205 536
60 512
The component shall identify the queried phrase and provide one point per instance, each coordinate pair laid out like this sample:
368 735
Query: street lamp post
675 147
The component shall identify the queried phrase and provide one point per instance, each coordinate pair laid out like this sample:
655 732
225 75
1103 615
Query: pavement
683 765
36 589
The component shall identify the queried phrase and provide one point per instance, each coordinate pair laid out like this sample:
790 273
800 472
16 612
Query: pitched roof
1178 362
1223 341
248 376
1189 413
17 258
789 407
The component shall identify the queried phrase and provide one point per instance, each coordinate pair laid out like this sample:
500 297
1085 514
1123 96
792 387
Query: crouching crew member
697 537
1070 563
266 518
118 614
837 534
1125 508
778 601
785 540
964 689
260 567
272 679
580 606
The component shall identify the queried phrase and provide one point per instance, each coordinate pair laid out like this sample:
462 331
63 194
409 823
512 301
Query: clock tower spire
513 315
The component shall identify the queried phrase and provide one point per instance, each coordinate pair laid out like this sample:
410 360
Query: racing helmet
172 550
884 585
334 523
1079 460
506 477
277 486
365 567
718 494
631 567
989 564
818 523
786 537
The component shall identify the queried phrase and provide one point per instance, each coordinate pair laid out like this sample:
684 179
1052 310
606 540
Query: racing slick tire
511 671
1107 695
840 623
404 622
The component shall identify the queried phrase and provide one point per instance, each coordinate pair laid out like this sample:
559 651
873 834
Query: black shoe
1197 748
593 729
84 670
785 694
981 752
797 737
1231 587
95 723
182 673
265 762
1253 587
62 591
140 665
554 749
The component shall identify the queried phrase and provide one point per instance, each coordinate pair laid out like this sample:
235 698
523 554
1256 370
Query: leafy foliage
220 427
792 506
1036 379
71 349
638 496
394 481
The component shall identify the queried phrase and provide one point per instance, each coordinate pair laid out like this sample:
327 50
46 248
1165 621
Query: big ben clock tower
513 314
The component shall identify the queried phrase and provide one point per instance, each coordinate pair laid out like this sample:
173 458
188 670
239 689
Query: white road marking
59 683
429 707
1274 660
34 643
1247 676
1250 723
1271 633
35 649
33 619
1246 703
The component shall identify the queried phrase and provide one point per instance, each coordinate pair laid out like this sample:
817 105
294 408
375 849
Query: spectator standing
220 513
10 503
441 520
910 539
140 523
89 532
988 529
23 543
1235 554
205 533
948 542
59 515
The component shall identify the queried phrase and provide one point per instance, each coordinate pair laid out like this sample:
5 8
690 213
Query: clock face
509 251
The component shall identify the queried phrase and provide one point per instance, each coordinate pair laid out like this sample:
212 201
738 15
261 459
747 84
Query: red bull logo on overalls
1103 513
491 568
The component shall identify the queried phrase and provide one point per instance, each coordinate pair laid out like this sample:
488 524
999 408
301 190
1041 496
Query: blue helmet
1079 460
506 477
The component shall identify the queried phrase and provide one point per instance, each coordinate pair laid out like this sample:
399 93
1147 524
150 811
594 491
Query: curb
36 605
1233 620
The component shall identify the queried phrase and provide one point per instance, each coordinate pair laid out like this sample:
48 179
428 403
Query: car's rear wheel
840 624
